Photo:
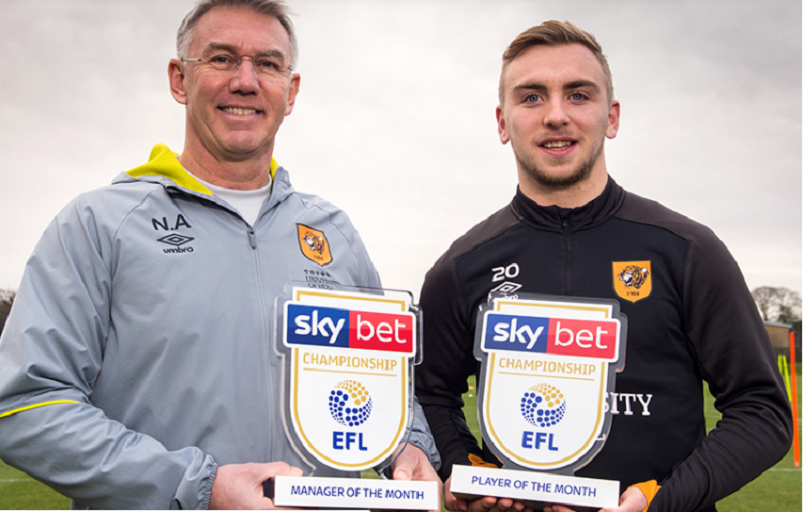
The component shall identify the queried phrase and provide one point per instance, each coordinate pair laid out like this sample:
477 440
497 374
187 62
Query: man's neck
248 174
574 196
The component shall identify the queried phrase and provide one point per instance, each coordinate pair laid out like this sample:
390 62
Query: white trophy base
354 493
534 487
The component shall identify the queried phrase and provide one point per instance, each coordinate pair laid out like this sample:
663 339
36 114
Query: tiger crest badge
314 245
633 280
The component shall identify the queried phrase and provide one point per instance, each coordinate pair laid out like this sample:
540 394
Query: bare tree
6 300
778 304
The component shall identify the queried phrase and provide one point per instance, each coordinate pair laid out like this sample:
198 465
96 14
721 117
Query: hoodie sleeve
736 359
51 352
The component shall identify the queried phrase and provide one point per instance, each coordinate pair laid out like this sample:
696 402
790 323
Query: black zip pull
252 237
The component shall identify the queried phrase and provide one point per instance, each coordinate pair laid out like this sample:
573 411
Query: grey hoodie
137 356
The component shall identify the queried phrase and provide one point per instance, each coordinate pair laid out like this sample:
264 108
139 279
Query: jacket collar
163 167
596 211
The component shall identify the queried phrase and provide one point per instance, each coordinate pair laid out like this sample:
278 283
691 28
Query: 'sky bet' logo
545 363
581 338
317 325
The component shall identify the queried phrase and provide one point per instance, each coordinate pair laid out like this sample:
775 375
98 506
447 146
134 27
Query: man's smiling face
235 116
556 114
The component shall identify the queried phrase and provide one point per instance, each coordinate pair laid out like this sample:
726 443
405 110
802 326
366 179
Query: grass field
777 490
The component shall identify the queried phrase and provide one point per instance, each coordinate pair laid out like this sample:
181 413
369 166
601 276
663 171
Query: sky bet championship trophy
547 364
348 394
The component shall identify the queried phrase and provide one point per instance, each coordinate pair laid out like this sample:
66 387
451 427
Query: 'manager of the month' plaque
348 393
547 364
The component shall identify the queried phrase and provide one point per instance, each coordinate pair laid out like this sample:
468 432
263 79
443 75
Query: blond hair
555 33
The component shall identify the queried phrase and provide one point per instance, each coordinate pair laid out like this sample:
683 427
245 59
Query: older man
571 230
135 369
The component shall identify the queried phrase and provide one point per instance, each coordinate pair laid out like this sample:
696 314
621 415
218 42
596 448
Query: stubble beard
553 181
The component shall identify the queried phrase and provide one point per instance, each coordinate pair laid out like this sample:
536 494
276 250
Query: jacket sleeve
448 362
735 356
51 352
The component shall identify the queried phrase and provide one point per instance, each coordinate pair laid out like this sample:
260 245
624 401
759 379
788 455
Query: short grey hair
273 8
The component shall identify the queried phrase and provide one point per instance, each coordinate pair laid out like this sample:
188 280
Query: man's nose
245 78
556 113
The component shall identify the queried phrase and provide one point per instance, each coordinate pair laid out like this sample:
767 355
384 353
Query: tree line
6 300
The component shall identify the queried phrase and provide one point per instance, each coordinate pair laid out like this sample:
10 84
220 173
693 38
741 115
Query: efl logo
350 403
333 327
560 336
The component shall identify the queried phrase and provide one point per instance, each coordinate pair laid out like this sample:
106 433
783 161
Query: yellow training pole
783 370
796 449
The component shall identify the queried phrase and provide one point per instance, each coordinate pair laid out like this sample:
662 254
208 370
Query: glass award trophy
348 356
547 364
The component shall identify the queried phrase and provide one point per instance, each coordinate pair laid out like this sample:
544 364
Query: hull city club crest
547 365
633 280
348 358
314 245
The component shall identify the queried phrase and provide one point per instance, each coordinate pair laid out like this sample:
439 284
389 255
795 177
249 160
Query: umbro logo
175 239
507 287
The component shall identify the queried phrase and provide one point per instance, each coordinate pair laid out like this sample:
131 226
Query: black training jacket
698 323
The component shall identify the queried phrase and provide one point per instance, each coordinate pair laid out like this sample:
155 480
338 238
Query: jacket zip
566 232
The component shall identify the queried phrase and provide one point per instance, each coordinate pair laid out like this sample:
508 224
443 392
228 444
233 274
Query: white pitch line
17 480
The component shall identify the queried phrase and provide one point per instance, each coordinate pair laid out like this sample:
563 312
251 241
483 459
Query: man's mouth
239 111
558 144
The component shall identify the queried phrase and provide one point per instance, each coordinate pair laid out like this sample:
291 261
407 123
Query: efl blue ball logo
543 405
350 403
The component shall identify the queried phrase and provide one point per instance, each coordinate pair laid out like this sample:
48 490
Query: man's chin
560 180
244 150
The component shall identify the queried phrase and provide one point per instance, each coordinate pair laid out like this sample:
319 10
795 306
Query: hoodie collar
592 213
164 163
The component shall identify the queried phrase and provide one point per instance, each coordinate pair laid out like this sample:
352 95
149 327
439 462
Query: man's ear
613 125
504 137
293 90
176 77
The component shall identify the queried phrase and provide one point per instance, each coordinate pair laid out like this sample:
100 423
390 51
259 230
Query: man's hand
412 464
485 504
239 486
632 500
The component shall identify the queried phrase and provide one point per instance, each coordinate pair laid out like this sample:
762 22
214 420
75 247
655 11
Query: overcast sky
395 119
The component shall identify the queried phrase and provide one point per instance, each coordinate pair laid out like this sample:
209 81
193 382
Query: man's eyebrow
580 84
220 46
577 84
530 86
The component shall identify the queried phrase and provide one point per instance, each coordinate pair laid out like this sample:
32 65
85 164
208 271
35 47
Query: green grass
778 489
19 491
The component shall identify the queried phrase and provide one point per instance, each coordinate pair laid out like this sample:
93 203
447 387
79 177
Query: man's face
234 116
557 114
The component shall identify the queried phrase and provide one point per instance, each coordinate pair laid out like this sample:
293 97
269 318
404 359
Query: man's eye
577 96
221 60
265 64
533 98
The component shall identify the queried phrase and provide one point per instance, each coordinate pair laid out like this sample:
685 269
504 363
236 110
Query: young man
572 231
135 368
